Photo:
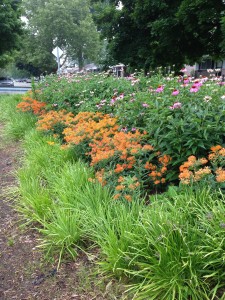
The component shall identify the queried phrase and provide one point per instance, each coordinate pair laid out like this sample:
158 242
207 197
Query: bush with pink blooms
182 116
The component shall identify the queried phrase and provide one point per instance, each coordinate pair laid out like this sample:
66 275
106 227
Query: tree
10 28
150 33
201 23
64 23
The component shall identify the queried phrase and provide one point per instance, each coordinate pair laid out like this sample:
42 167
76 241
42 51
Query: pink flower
176 105
175 92
194 89
159 89
183 70
186 81
145 105
197 83
112 102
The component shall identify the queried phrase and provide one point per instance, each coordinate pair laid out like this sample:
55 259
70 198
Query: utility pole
58 61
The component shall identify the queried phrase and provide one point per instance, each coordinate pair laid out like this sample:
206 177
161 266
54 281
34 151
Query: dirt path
19 261
23 274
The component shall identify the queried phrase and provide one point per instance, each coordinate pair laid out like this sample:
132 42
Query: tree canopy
67 24
147 33
10 27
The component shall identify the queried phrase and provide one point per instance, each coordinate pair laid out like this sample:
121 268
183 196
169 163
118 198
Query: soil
24 274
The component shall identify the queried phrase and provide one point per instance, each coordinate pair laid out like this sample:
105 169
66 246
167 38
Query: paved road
19 88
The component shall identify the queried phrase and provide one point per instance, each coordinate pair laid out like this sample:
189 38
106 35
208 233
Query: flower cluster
116 153
55 121
127 187
89 126
158 170
31 105
191 171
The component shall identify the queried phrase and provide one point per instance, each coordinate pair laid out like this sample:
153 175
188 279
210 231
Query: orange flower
157 182
120 179
222 152
134 151
118 169
215 148
211 156
164 169
153 174
165 159
120 187
132 186
128 197
130 166
147 147
124 156
32 105
116 196
192 159
198 175
203 161
220 175
150 166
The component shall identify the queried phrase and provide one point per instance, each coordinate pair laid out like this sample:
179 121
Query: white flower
207 98
223 97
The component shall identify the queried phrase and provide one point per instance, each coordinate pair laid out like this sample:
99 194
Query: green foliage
172 248
189 130
62 233
167 257
17 123
144 34
10 27
10 70
111 232
66 24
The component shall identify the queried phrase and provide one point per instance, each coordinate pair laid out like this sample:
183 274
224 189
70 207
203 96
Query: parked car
6 81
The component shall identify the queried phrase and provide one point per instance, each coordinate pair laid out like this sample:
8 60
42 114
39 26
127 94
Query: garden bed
133 168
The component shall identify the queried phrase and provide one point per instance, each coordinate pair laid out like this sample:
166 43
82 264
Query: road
19 88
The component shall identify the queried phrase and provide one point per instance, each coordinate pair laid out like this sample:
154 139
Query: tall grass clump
63 234
17 123
178 252
111 232
42 159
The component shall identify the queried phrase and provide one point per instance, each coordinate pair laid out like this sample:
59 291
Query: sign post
58 52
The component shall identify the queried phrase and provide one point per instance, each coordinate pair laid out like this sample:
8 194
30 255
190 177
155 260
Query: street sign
57 52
